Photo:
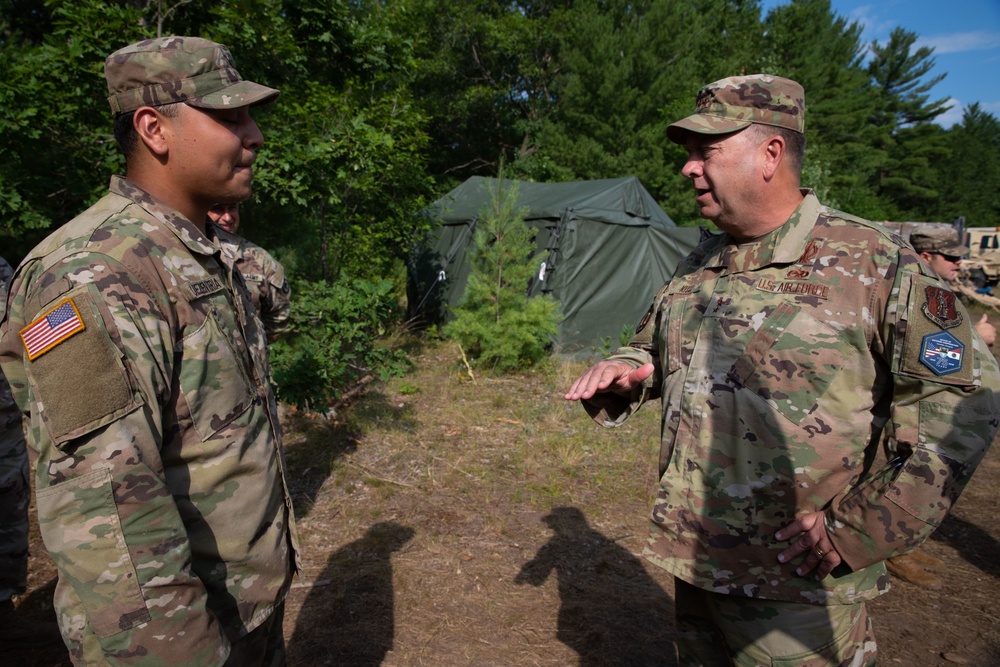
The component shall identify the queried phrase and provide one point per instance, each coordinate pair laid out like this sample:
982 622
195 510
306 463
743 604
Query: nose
252 136
691 168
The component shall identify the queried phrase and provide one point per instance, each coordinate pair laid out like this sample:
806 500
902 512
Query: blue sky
965 35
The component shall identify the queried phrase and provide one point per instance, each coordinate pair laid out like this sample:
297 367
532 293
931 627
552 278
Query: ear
153 129
773 151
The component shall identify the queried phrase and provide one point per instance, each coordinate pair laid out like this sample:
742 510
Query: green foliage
609 344
386 104
974 162
336 340
497 324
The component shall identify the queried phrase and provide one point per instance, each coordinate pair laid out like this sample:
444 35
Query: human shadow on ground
976 546
612 611
348 618
315 443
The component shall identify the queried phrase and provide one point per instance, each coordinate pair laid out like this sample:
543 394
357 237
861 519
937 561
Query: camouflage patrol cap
731 104
938 238
166 70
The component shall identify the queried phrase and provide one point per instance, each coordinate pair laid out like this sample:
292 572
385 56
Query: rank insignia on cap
940 307
52 328
942 353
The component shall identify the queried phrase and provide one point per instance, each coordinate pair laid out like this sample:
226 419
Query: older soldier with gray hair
135 354
825 398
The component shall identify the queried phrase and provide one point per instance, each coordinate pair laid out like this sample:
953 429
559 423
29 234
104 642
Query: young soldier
144 377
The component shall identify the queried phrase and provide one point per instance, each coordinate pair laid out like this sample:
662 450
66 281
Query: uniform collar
182 228
783 245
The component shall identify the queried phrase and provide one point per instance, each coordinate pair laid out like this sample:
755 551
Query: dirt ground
451 521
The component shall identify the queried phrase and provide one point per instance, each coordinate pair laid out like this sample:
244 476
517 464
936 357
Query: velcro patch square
52 328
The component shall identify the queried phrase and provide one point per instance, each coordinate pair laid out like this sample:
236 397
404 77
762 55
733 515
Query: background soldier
825 398
264 275
941 248
161 496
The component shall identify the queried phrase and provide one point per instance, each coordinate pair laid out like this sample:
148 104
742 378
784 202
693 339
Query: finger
815 557
984 318
638 375
803 524
597 378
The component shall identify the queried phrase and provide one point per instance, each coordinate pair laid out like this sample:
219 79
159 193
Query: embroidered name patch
51 329
805 289
940 307
202 288
942 353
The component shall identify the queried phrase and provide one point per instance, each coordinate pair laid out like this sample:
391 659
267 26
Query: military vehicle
983 263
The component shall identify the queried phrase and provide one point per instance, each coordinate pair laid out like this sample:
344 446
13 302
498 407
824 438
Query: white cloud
960 42
952 116
872 25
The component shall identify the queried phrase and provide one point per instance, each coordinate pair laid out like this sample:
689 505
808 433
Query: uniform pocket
82 531
790 361
214 383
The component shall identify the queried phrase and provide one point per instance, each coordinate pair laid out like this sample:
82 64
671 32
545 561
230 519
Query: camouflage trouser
15 490
264 647
716 630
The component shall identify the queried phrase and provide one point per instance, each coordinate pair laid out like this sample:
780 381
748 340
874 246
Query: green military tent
604 248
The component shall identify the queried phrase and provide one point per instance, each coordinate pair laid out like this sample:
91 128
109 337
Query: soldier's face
721 168
226 216
211 154
945 266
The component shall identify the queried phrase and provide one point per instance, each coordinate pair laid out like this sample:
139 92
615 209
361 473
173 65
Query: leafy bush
497 324
336 340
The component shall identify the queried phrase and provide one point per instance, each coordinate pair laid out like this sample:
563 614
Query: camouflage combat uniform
160 469
820 367
14 485
264 276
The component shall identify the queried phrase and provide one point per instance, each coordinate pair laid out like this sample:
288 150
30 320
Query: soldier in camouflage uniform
941 248
825 398
135 354
264 276
15 495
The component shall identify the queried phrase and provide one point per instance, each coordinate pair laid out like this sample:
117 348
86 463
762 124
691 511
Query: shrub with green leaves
337 338
497 324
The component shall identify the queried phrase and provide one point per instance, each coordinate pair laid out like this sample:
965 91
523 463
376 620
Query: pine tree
497 324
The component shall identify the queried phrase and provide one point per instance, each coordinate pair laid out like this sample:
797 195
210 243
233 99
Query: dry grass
484 522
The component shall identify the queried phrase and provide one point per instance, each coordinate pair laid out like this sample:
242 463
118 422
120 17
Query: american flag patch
51 329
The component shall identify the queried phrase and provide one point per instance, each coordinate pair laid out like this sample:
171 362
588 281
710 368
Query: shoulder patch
942 353
940 307
937 343
645 319
52 328
64 376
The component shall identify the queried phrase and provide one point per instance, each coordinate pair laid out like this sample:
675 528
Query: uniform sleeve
99 393
277 308
610 409
942 419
